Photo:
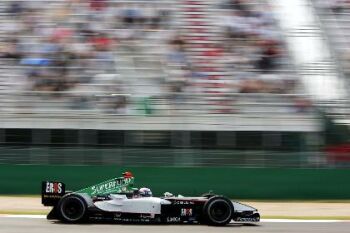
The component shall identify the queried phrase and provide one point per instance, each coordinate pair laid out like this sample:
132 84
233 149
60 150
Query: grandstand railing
163 157
234 103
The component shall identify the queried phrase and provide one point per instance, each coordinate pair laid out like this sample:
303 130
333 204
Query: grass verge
30 212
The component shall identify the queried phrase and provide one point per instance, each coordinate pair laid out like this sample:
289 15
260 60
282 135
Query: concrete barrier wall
239 183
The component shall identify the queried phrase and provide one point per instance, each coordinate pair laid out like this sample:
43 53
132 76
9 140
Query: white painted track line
262 220
301 220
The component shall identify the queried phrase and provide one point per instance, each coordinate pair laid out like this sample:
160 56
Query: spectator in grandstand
15 8
302 104
98 5
132 16
176 55
337 6
121 104
62 34
101 42
178 68
9 49
240 5
269 55
179 72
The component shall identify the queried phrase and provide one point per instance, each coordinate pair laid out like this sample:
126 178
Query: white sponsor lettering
104 187
173 219
47 187
55 187
183 202
59 187
186 212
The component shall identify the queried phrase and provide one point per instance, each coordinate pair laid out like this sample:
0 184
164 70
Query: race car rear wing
52 192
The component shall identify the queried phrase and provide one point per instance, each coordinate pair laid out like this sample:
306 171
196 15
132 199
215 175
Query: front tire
218 211
72 208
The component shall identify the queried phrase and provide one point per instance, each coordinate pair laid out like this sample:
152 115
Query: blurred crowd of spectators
337 6
335 15
255 47
73 45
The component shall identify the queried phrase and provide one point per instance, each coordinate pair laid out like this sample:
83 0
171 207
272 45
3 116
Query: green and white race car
117 200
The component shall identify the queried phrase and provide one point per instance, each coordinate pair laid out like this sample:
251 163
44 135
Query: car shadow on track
155 224
243 225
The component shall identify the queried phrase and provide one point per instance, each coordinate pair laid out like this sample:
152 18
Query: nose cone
239 207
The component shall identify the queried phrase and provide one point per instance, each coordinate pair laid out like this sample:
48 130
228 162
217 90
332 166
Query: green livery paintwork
116 185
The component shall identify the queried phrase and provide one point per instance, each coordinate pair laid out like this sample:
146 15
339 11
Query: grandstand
144 73
334 16
113 56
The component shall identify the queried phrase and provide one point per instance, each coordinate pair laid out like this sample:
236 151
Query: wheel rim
72 209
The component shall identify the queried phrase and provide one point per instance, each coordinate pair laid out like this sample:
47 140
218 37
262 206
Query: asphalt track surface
40 225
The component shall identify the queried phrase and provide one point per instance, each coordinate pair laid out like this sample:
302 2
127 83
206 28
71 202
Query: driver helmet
145 192
127 175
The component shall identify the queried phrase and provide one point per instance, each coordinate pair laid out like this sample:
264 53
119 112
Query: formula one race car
117 201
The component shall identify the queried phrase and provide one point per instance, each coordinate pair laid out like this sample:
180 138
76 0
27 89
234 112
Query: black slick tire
72 208
218 211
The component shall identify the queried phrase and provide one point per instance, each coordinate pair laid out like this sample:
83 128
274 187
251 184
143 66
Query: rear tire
72 208
218 211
